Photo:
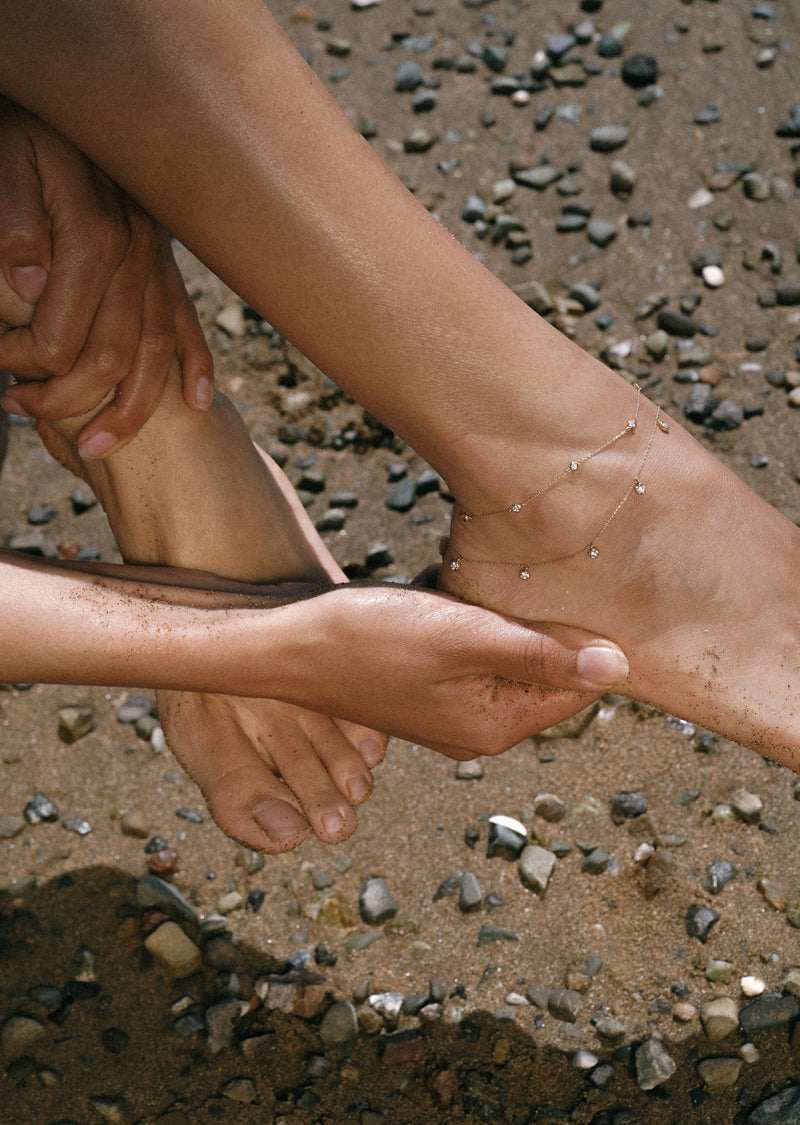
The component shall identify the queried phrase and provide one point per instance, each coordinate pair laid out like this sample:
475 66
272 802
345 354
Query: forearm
60 624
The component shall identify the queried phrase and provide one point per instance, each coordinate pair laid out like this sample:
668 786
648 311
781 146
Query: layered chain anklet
637 488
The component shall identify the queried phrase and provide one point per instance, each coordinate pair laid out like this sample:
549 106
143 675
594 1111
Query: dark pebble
470 894
114 1039
488 935
779 1109
595 862
788 292
504 841
708 115
565 1004
726 416
376 903
640 70
474 208
586 295
402 497
408 77
495 57
427 481
676 324
699 920
770 1012
718 875
40 514
40 808
627 806
192 815
700 404
379 556
558 45
255 900
332 520
155 844
608 47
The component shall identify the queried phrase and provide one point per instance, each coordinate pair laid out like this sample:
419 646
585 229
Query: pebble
173 950
601 232
720 971
40 808
719 1017
507 836
565 1004
75 723
752 986
676 324
622 178
699 920
549 807
769 1012
536 866
20 1035
654 1064
779 1109
134 709
720 1073
470 895
608 138
155 893
402 497
718 875
488 935
628 806
701 403
376 903
747 806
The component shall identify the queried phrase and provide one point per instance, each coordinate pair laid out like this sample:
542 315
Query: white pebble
158 740
701 198
520 97
643 853
752 986
509 822
584 1060
749 1052
713 277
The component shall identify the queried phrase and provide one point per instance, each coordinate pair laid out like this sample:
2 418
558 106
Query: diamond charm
515 508
524 573
663 426
573 466
593 552
455 564
631 424
638 486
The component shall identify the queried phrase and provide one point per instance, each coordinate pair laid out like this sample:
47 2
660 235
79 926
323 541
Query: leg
267 769
351 267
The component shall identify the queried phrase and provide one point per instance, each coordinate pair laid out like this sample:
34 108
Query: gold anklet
572 467
591 549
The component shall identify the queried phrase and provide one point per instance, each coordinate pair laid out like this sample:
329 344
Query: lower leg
192 491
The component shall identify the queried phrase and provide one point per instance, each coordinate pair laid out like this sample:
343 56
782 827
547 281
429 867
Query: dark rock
640 70
718 875
627 806
408 77
608 138
41 514
769 1013
595 862
471 895
708 115
780 1109
608 46
379 556
565 1004
402 497
40 808
700 404
699 920
726 416
788 292
488 935
676 324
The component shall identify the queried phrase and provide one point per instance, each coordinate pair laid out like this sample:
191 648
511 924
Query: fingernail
602 665
203 394
358 788
29 281
280 821
11 406
96 446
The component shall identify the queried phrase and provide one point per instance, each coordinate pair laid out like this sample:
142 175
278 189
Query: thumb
559 656
29 281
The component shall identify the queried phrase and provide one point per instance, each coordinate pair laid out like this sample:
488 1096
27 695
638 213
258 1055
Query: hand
420 665
96 303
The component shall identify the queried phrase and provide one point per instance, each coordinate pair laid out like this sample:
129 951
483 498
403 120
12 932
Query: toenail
279 820
358 788
332 822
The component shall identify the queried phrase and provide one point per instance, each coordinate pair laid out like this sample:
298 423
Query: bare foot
695 576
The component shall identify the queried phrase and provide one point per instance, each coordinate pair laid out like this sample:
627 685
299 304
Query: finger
24 232
197 367
90 238
140 390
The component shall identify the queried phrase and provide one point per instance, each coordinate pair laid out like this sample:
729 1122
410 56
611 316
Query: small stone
608 138
134 709
718 875
768 1013
720 1073
676 324
752 986
11 826
41 514
622 177
376 902
565 1004
779 1109
748 806
639 70
601 233
173 950
699 920
713 277
231 320
756 187
654 1064
596 862
549 807
701 403
720 971
470 771
402 497
40 808
75 723
507 836
379 556
241 1090
536 866
488 935
155 893
788 292
19 1037
418 141
627 806
470 895
133 822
